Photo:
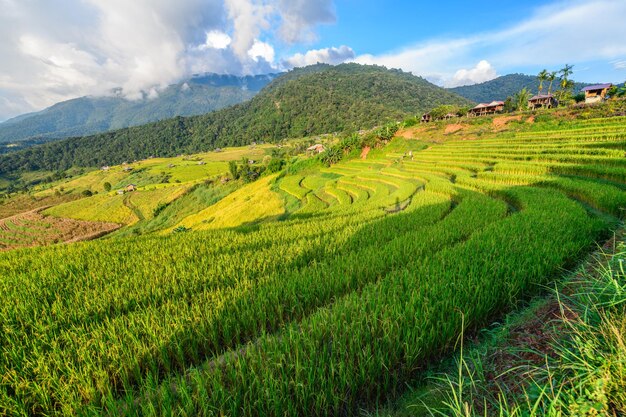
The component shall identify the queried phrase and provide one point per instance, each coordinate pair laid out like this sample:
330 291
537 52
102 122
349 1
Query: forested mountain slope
309 101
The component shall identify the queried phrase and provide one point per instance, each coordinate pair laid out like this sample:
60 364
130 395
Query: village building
542 101
426 118
317 148
127 169
450 116
130 188
120 192
105 168
486 108
596 93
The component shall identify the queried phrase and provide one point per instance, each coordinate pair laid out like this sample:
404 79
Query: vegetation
89 115
319 290
506 86
305 102
572 361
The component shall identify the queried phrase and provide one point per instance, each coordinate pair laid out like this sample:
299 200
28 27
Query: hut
105 168
450 116
426 118
130 188
596 93
317 148
486 108
542 101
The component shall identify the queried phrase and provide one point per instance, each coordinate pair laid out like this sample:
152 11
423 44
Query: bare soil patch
410 133
365 152
34 229
500 122
24 203
453 128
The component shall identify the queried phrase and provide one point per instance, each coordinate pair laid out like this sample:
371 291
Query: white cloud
326 55
482 72
53 51
261 50
300 16
564 32
619 65
217 39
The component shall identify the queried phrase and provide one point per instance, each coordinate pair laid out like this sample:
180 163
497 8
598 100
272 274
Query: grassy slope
320 272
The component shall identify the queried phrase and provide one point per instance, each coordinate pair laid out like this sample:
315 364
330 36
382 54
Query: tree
551 77
542 76
566 83
234 170
107 186
521 99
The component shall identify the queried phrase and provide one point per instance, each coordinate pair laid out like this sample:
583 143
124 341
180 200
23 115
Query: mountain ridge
305 102
86 115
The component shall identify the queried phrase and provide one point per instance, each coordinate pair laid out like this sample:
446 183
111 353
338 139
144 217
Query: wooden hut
542 101
486 108
426 118
130 188
596 93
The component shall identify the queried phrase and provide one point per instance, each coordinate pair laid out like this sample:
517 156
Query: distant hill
88 115
505 86
309 101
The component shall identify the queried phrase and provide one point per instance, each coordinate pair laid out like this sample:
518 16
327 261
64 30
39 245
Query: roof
597 87
540 96
496 103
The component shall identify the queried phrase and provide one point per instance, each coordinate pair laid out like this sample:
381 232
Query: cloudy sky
54 50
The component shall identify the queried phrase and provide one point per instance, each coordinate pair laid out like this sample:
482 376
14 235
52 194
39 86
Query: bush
87 193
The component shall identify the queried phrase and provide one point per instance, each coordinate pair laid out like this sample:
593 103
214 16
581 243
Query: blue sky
57 50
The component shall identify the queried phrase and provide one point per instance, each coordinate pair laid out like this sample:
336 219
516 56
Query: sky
55 50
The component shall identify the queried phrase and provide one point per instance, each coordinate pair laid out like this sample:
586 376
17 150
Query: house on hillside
120 191
127 169
542 101
105 168
426 118
486 108
449 116
130 188
596 93
317 148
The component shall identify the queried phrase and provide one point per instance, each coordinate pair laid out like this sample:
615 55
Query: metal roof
597 87
540 96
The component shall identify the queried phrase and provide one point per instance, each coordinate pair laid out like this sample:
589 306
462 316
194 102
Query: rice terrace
335 239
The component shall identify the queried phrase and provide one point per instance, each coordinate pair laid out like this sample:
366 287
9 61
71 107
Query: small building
426 118
486 108
317 148
596 93
539 101
127 169
130 188
450 116
120 192
105 168
251 161
201 163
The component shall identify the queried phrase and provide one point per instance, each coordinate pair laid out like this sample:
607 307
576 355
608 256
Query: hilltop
88 115
505 86
304 102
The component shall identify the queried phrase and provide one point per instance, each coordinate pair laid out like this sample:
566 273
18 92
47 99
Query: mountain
88 115
505 86
304 102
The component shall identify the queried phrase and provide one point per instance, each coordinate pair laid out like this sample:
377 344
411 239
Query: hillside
315 290
505 86
88 115
305 102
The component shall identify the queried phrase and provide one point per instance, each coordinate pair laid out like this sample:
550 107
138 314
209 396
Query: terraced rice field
317 294
33 229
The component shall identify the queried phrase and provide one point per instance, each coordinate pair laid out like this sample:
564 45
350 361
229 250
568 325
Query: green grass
300 293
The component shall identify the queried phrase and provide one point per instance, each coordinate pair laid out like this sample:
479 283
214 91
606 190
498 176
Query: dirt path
132 207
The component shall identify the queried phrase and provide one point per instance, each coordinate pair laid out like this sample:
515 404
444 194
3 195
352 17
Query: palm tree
551 77
542 76
566 71
521 99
